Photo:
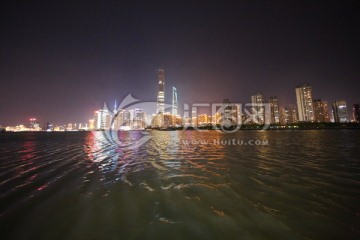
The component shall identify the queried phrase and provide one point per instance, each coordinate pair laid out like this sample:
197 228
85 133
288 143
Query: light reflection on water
304 184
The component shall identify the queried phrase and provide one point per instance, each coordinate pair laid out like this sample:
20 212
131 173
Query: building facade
304 103
229 115
321 111
340 111
274 110
102 119
288 115
257 102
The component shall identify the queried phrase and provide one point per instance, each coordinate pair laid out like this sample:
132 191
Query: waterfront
302 185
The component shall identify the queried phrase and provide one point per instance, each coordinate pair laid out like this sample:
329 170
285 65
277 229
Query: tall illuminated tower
304 102
174 102
258 106
274 110
161 93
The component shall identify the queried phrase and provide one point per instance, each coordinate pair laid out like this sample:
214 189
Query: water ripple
303 185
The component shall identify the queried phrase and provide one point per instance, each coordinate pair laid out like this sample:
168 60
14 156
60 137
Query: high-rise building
139 119
122 120
304 103
168 120
102 119
258 107
356 113
321 111
229 115
340 111
274 110
91 124
34 124
293 113
288 115
284 119
174 102
161 93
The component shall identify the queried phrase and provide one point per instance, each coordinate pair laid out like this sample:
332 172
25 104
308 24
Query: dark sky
59 61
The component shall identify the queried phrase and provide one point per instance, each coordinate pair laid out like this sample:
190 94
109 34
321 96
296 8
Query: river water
181 185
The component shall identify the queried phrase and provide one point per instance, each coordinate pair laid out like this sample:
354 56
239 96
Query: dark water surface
303 185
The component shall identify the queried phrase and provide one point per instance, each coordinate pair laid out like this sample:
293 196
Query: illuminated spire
174 102
161 93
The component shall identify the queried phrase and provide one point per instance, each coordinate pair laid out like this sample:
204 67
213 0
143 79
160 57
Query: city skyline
308 109
60 61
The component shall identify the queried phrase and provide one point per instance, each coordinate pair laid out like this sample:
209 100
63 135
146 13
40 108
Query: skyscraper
321 111
139 119
356 113
34 124
304 103
274 110
161 93
102 119
340 111
174 102
229 114
258 105
288 115
293 114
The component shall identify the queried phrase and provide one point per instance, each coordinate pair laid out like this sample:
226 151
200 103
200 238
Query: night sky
60 61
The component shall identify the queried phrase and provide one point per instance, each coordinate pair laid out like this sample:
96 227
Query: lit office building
293 114
102 119
139 119
230 114
194 121
284 118
321 111
304 103
34 125
122 120
168 120
202 119
91 124
288 115
49 127
178 121
258 106
274 110
340 111
157 120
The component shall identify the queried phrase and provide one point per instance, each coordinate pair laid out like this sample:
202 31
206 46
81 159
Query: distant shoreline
298 126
